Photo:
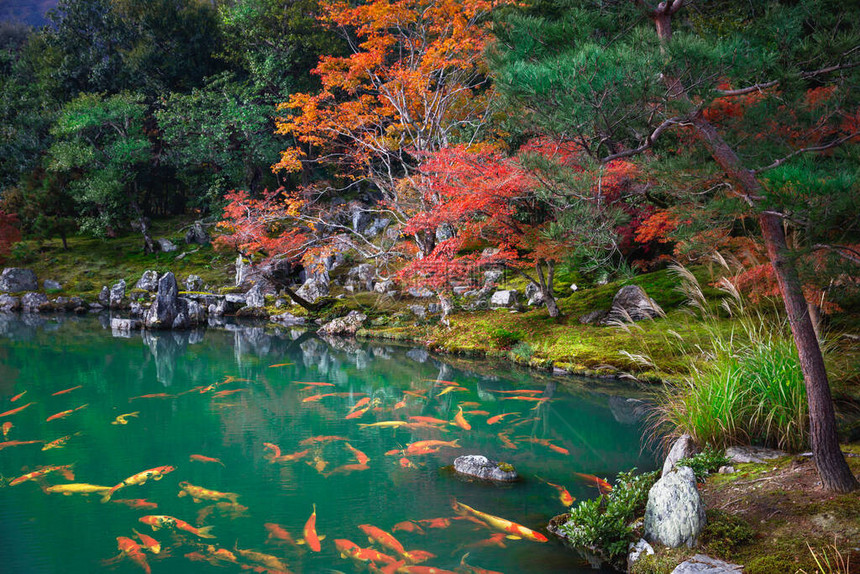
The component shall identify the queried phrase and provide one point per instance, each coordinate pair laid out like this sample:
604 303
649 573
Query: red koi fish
518 398
406 463
18 396
563 495
310 532
201 458
408 526
430 446
497 418
133 552
476 413
64 414
544 442
321 439
363 401
417 394
9 443
18 410
362 556
136 503
148 542
360 457
64 391
276 451
281 365
291 457
313 383
382 538
603 486
460 420
356 414
159 521
65 470
497 523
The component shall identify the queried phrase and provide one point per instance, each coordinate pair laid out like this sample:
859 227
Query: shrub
504 338
603 524
523 351
705 462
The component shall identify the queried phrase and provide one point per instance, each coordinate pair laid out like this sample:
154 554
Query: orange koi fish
534 399
276 451
511 528
382 538
281 365
447 390
148 542
431 420
228 392
497 539
315 398
313 383
506 442
7 426
291 457
563 495
470 405
497 418
460 420
518 392
132 550
60 442
9 443
360 457
123 419
403 568
408 526
278 533
544 442
603 486
201 458
18 410
349 549
524 421
476 413
159 521
417 394
399 405
346 469
435 522
136 503
361 402
218 555
64 391
310 532
430 446
140 478
321 439
65 470
153 396
64 414
18 396
359 413
198 493
406 463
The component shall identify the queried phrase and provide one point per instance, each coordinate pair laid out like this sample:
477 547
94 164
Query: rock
117 292
359 217
117 324
419 292
419 311
418 355
631 303
8 303
627 411
726 470
169 311
533 294
637 551
193 283
362 276
504 298
16 279
378 226
51 285
434 308
136 310
313 289
287 319
254 297
166 245
492 277
758 454
683 447
592 317
34 302
482 467
573 287
384 286
148 281
197 234
444 232
344 326
104 296
701 564
675 513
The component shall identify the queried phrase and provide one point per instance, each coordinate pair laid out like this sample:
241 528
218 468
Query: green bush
603 524
705 462
504 338
725 532
523 351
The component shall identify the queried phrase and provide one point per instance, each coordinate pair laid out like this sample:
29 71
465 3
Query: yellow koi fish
198 493
512 529
121 419
77 488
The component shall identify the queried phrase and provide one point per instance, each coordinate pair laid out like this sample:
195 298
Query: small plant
504 338
725 532
834 563
523 351
705 462
602 525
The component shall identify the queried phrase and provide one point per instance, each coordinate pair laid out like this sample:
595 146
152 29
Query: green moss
663 562
770 563
724 533
506 467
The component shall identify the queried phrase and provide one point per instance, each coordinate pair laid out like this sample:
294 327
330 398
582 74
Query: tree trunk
312 307
545 286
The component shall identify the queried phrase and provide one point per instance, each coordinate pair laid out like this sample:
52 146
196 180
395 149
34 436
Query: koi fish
60 442
603 486
9 443
267 560
276 451
476 413
441 382
563 495
518 392
310 532
121 419
321 439
64 391
511 528
291 457
469 569
497 418
159 521
470 405
18 396
228 392
408 526
198 493
384 424
231 510
218 555
431 420
77 488
64 414
460 420
406 463
421 446
281 365
497 539
65 470
18 410
417 394
546 443
435 522
533 399
136 503
360 457
153 396
201 458
346 469
361 402
278 533
313 384
132 550
7 426
140 478
447 390
349 549
148 542
314 398
524 421
382 538
506 442
356 414
399 405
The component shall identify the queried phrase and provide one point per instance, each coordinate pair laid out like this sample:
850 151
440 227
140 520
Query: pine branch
833 144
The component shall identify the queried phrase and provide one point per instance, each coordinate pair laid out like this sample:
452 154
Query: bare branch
649 141
848 253
833 144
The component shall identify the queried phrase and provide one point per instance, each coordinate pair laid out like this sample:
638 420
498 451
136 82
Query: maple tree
9 232
413 83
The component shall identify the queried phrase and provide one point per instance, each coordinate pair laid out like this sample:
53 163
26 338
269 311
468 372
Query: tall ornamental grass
750 388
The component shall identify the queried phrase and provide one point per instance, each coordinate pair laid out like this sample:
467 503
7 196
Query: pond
275 423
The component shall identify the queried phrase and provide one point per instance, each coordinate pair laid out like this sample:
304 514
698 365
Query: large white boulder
675 513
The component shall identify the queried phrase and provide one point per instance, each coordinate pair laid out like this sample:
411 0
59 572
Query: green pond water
50 532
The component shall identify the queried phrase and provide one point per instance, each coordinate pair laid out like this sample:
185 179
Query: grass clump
749 391
705 462
523 351
603 525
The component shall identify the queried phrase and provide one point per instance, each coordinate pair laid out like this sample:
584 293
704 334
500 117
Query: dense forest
436 140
